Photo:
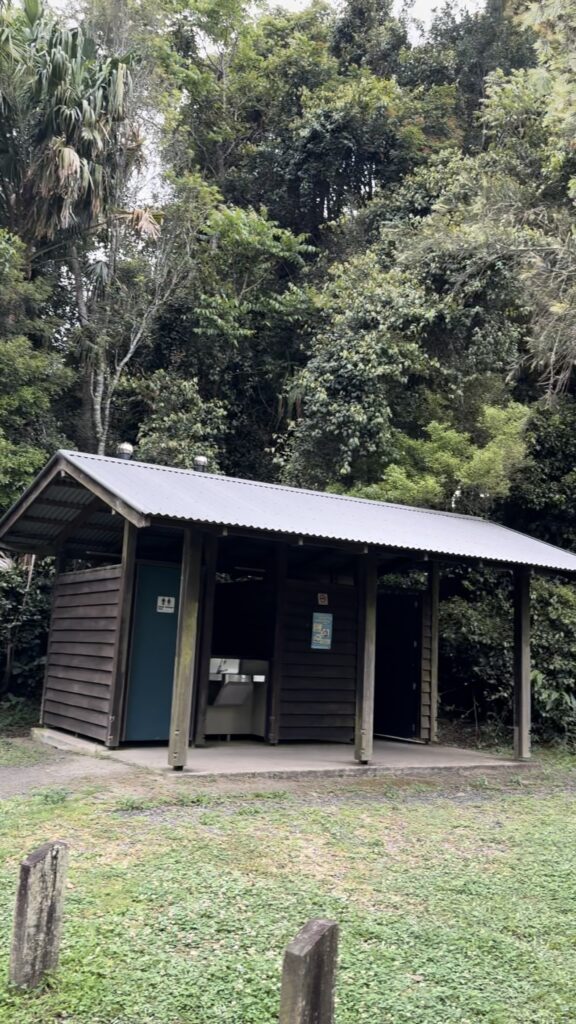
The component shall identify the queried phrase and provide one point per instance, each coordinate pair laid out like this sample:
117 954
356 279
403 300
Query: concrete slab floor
250 758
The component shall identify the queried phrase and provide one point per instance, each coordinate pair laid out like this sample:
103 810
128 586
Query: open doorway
397 691
237 699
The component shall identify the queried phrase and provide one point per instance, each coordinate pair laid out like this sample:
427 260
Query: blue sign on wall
321 631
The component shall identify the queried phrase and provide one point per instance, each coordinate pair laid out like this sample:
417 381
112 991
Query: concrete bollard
38 914
309 975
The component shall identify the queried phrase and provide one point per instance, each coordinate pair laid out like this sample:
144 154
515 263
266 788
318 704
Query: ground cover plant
454 890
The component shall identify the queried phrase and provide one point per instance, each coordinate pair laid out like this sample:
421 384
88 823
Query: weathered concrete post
38 914
309 975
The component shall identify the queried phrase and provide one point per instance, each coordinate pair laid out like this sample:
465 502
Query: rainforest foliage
328 247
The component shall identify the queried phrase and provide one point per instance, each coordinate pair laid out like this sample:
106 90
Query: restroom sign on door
167 605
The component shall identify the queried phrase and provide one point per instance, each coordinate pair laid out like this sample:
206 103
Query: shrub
476 653
24 619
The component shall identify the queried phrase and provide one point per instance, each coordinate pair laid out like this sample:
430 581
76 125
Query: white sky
421 9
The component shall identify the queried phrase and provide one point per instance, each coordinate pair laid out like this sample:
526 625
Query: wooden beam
186 642
278 648
123 625
367 601
206 629
59 566
79 520
288 539
53 503
107 496
434 597
44 480
48 542
45 519
522 663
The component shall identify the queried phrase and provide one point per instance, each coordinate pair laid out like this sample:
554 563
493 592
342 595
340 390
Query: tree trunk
79 292
98 387
84 427
85 422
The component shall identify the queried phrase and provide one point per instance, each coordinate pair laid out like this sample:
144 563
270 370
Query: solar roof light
125 450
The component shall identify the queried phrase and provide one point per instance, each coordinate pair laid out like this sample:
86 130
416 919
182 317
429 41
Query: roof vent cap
200 463
125 450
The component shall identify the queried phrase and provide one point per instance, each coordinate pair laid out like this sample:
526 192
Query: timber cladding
318 689
82 645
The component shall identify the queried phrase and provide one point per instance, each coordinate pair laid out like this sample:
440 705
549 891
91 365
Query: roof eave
224 529
120 505
56 466
44 478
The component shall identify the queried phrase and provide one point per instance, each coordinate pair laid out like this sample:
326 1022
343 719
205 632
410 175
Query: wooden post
206 629
522 663
434 591
126 597
59 564
367 600
38 914
278 649
309 975
185 662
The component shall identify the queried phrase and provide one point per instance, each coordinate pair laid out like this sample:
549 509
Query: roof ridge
277 487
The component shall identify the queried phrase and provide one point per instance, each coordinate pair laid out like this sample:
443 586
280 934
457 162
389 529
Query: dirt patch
30 767
173 800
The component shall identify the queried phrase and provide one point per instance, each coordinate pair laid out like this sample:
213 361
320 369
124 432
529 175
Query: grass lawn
455 892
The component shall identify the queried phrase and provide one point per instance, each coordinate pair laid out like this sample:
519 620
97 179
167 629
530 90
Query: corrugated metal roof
148 491
55 505
161 491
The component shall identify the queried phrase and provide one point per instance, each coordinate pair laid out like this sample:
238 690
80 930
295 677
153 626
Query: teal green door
153 651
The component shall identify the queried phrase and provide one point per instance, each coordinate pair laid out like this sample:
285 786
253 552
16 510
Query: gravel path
38 767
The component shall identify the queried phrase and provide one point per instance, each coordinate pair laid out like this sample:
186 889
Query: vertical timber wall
318 689
82 648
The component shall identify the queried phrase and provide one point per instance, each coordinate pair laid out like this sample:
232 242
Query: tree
543 493
554 27
354 137
422 328
64 135
341 400
242 83
236 327
25 600
67 149
516 196
446 469
30 383
283 111
366 34
121 292
179 425
462 48
32 378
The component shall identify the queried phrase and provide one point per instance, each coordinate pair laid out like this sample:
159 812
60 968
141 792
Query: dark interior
398 661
